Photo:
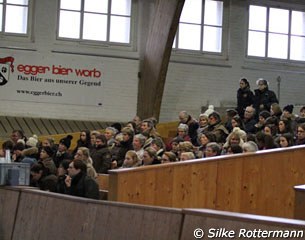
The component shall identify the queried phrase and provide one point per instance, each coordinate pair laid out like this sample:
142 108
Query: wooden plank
8 209
49 126
81 126
73 126
78 218
40 123
156 57
7 126
299 204
103 181
213 222
57 126
15 125
88 125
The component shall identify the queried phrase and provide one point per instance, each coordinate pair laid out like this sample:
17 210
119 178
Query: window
276 33
96 20
14 16
201 26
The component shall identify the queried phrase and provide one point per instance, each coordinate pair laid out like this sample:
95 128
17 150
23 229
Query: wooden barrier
43 215
299 204
220 225
258 183
34 214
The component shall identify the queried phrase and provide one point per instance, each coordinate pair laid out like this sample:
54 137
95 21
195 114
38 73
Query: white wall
190 83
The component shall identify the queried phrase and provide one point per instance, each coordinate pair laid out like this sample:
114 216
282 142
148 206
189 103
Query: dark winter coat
244 99
101 158
265 98
83 186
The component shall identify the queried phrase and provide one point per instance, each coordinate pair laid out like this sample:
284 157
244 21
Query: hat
48 150
32 141
209 110
265 114
288 108
66 141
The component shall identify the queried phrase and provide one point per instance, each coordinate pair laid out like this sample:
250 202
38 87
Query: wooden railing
258 183
32 214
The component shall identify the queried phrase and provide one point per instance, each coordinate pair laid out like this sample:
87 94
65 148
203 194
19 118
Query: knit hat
48 150
32 141
66 141
209 110
288 108
265 114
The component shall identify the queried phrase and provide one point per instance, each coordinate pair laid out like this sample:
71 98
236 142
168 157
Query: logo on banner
5 69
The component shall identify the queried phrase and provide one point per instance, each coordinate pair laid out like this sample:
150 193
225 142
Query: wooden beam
156 57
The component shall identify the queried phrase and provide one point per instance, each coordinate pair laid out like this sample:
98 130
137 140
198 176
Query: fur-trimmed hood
30 151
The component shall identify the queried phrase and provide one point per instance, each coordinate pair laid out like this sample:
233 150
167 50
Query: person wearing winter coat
244 97
263 97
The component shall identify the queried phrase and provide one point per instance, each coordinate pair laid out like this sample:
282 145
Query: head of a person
286 140
138 141
187 156
287 110
275 109
63 167
203 120
16 135
110 132
262 84
137 120
212 149
214 118
249 112
132 125
48 142
175 144
284 125
183 116
84 136
230 113
149 155
128 134
249 147
157 143
131 159
243 83
234 149
93 135
301 131
270 129
100 140
76 166
236 121
37 171
46 152
182 130
18 148
82 153
206 137
302 112
263 115
65 143
168 157
146 126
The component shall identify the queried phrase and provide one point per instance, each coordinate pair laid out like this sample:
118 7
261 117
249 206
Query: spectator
213 149
63 150
83 154
187 156
83 141
300 134
78 183
41 178
168 157
138 145
263 97
244 96
249 147
62 173
100 155
286 140
249 120
204 139
46 159
131 160
150 157
193 125
217 128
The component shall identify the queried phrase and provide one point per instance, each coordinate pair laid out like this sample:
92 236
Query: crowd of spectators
257 123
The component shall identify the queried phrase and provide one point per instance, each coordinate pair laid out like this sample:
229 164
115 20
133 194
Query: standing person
244 96
78 183
263 97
